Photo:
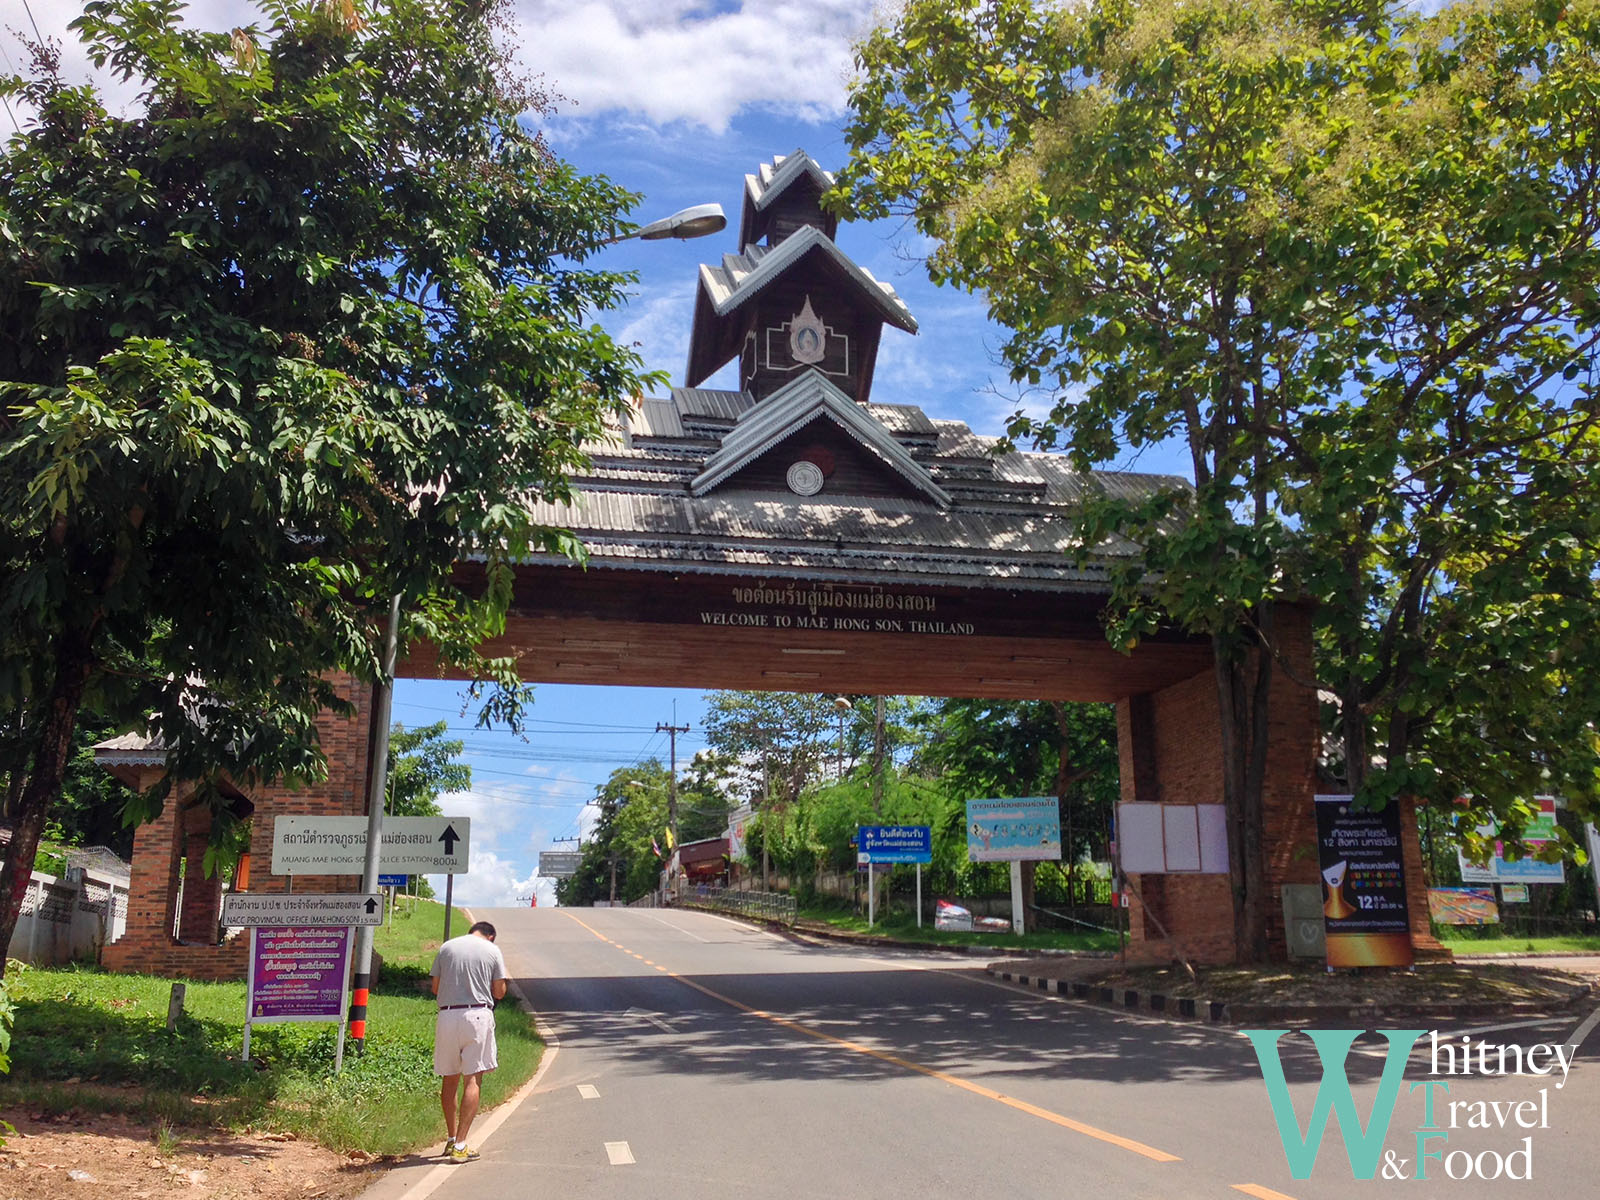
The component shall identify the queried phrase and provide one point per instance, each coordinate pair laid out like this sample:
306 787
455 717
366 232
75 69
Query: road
697 1056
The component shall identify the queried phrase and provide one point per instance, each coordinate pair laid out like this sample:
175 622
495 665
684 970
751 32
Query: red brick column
148 945
1170 752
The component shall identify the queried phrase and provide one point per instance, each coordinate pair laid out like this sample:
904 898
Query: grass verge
92 1041
902 927
1467 946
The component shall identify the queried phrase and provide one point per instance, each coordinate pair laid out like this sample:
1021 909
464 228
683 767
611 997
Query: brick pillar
1170 752
148 945
202 896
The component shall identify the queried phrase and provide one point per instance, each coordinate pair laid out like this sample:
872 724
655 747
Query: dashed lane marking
966 1085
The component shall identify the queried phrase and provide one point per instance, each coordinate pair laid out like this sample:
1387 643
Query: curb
1219 1012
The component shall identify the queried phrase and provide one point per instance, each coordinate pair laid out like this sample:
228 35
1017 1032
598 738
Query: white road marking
1583 1030
653 1018
1508 1025
675 928
588 1091
619 1154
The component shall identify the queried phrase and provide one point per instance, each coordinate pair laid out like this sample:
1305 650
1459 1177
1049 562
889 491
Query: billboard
297 973
1540 831
1014 830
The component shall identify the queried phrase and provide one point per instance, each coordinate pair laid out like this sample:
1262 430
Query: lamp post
701 220
841 705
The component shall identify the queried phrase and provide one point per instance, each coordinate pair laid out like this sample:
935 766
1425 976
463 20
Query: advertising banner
1013 830
1540 831
298 973
1463 906
1363 884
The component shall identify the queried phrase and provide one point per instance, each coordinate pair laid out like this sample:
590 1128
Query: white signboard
338 845
246 909
1172 839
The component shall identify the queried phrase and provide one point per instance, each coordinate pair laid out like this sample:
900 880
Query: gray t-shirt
465 967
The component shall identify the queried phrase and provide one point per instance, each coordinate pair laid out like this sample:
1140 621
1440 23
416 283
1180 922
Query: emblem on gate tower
808 336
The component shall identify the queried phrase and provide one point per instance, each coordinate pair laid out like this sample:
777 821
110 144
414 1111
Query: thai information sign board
1363 884
298 972
250 909
894 844
1538 833
338 845
1013 830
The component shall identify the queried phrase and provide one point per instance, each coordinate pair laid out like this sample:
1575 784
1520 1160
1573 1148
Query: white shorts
463 1041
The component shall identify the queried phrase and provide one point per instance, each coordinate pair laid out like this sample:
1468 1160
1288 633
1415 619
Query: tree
295 335
619 860
1002 748
422 767
1269 231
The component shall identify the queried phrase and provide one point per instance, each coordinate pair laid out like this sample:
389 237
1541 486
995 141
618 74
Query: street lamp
700 220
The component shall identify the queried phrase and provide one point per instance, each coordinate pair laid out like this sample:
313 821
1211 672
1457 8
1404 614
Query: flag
655 847
671 841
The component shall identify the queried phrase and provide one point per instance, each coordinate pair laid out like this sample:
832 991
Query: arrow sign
338 845
249 909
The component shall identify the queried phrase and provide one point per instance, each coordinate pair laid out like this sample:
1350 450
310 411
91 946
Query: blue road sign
896 844
393 880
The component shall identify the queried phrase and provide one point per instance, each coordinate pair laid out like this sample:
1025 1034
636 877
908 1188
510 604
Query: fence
770 906
71 918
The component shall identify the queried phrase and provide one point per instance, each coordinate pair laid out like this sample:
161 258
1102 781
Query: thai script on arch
815 599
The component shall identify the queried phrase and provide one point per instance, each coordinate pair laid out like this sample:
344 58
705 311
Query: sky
676 100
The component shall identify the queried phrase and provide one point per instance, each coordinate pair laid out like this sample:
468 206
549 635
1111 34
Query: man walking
469 975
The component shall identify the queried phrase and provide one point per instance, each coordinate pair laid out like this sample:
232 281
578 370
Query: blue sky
677 100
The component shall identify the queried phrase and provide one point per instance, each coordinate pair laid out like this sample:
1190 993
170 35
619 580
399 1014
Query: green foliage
1343 253
302 328
422 767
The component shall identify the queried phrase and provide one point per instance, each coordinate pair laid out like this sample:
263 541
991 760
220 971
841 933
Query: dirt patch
52 1157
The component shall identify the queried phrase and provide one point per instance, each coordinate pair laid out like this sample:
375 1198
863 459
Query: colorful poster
1540 831
1363 884
1463 906
298 973
1013 830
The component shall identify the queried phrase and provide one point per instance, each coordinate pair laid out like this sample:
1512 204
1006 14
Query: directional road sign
559 864
895 844
393 880
243 909
338 845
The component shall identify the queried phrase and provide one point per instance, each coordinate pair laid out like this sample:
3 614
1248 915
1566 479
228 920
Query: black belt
448 1007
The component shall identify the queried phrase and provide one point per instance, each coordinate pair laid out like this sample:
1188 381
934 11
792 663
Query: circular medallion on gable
804 478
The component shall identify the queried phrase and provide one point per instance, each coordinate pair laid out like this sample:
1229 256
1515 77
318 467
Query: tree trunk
1243 694
52 749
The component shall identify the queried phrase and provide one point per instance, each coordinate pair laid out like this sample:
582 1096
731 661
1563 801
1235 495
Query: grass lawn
902 926
86 1039
1467 945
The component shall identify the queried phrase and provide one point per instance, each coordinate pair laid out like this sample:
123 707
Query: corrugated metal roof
794 405
773 178
741 276
716 403
903 419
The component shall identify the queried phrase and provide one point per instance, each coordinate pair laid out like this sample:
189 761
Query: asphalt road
696 1056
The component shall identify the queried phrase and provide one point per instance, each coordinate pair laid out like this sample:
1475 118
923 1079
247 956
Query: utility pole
672 732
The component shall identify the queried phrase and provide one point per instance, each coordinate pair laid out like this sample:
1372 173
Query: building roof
669 491
771 181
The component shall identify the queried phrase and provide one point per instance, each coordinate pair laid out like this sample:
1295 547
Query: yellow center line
976 1089
1259 1192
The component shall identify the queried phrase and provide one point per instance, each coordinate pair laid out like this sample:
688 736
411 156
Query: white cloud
685 60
